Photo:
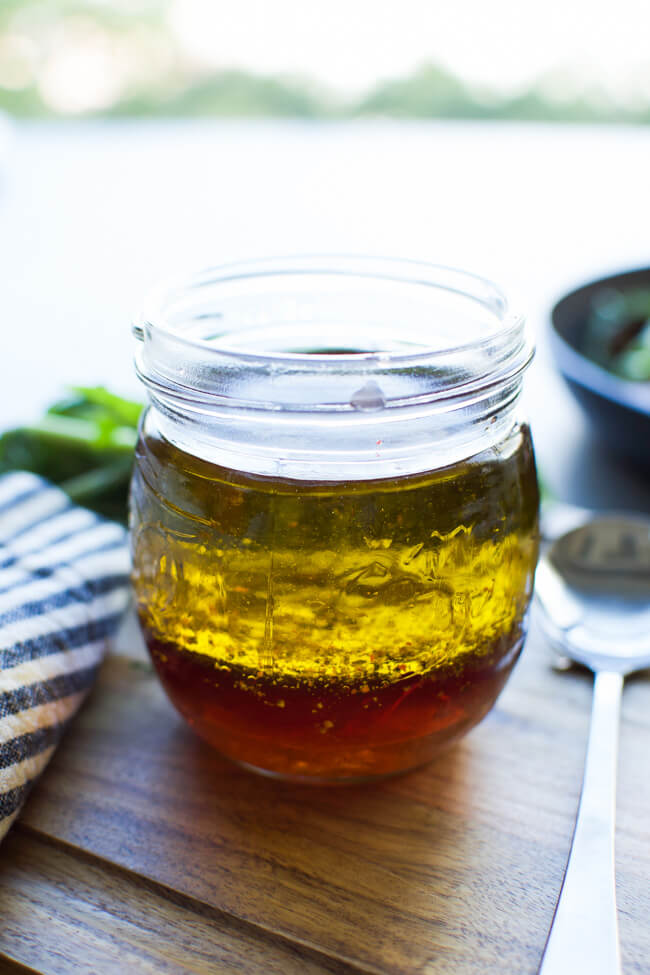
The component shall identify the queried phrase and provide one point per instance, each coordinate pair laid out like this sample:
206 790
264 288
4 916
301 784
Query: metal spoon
593 586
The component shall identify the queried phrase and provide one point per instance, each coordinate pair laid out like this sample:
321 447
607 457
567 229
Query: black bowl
619 409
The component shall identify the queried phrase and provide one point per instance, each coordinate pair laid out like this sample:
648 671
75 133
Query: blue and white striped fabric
63 589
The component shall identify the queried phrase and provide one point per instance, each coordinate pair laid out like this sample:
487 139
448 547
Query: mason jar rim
160 370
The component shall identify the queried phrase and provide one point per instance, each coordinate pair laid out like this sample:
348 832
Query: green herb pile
617 332
84 444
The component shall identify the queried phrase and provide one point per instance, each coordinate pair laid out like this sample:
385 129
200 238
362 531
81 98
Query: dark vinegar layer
328 731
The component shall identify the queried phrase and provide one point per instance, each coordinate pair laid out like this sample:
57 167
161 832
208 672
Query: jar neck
367 446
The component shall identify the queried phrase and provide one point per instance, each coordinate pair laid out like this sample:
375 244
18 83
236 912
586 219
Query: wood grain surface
142 851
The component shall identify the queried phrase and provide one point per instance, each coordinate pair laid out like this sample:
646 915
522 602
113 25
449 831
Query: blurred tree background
71 58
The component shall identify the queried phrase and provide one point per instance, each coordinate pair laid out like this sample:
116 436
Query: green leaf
125 412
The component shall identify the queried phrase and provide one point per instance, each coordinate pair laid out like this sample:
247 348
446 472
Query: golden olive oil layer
347 583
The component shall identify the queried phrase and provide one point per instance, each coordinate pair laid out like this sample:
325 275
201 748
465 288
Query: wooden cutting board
140 850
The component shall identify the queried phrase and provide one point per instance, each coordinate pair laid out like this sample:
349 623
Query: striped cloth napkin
63 590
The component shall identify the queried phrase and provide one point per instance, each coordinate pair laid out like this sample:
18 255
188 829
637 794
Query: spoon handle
584 934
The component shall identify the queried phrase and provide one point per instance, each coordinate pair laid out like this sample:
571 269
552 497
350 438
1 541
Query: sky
349 45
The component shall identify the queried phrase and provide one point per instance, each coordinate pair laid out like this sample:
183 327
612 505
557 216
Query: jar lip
400 270
201 336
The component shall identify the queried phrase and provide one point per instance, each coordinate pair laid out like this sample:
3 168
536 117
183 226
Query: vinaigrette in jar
337 627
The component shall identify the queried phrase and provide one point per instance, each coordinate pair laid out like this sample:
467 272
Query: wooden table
140 850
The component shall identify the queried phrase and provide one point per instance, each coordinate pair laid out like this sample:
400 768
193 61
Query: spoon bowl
593 586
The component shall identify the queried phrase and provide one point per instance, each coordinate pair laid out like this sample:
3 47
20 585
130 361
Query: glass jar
334 509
